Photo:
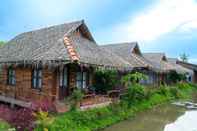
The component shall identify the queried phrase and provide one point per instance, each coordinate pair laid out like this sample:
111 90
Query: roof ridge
119 43
48 27
138 59
71 50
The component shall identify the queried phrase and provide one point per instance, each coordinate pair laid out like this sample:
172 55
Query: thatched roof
47 45
188 65
130 52
166 64
179 69
159 60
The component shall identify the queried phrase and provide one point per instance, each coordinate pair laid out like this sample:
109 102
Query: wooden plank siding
23 89
50 83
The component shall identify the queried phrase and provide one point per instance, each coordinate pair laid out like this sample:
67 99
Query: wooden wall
50 83
23 89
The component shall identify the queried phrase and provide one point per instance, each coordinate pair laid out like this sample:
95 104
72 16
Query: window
63 78
81 80
11 77
37 78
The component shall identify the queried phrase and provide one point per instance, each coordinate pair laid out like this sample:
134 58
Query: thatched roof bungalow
189 66
49 63
159 60
179 69
130 52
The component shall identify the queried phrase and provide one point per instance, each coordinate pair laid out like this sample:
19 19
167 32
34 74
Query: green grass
4 126
102 117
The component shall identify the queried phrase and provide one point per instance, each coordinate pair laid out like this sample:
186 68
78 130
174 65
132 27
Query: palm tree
184 57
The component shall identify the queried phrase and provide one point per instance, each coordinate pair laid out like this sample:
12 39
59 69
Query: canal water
167 117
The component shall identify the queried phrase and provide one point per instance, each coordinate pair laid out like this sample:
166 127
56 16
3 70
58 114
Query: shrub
5 126
175 92
133 78
22 119
5 113
174 77
134 94
157 99
42 119
105 80
76 98
183 85
164 90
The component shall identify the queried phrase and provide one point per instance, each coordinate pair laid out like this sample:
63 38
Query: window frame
11 76
37 75
62 73
84 79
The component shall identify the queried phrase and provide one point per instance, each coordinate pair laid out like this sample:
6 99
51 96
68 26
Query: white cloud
189 26
163 17
193 60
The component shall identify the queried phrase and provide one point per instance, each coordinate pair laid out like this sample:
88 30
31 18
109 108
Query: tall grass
99 118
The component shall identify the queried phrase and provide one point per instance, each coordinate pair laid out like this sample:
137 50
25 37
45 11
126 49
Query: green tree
105 80
133 78
2 43
184 57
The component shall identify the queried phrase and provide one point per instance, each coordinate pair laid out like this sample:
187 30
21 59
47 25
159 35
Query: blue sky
158 25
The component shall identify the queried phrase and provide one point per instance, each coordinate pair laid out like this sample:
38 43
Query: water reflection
163 118
187 122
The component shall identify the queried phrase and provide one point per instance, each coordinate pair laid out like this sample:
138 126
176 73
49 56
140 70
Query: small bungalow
131 53
49 63
166 65
189 66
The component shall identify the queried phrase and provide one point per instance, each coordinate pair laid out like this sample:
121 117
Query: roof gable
34 45
123 49
130 52
155 56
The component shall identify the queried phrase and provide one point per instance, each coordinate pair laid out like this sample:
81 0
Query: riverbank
96 119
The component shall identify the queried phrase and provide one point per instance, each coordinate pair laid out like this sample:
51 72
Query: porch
88 102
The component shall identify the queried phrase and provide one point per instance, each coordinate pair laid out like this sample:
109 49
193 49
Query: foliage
2 43
164 90
175 92
5 113
183 85
174 77
105 80
4 126
42 119
133 78
134 94
75 98
184 57
22 119
99 118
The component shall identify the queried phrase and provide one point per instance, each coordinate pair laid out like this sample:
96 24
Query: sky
168 26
